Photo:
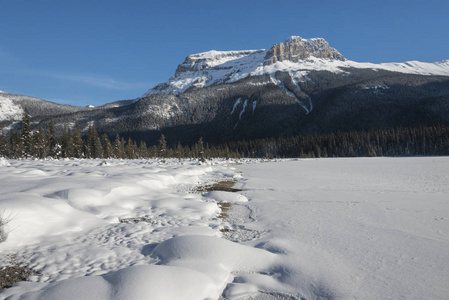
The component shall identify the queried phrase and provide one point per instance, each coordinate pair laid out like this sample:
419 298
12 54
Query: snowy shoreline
362 228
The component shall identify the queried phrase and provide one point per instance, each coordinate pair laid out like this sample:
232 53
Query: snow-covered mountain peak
295 55
215 67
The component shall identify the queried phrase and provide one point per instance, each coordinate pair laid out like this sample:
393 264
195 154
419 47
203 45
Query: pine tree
15 144
98 147
142 150
3 145
93 144
50 137
179 151
78 144
130 149
26 134
200 149
39 143
67 144
107 147
162 146
119 147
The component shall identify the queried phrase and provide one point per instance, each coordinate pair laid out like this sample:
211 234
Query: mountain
298 86
293 56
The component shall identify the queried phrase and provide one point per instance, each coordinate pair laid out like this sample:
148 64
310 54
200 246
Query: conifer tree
93 144
162 146
39 143
107 147
78 144
15 144
67 144
142 150
26 134
119 147
3 145
179 152
130 149
50 136
200 149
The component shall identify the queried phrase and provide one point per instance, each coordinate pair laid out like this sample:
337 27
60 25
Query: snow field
300 229
365 228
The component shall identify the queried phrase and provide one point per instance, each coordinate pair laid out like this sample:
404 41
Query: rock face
295 49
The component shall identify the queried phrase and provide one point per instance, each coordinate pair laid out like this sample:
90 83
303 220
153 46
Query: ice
359 228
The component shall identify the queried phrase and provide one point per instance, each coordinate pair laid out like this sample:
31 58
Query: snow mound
231 256
138 282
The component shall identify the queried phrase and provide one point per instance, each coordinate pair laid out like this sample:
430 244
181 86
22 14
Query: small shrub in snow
4 162
4 220
13 272
3 234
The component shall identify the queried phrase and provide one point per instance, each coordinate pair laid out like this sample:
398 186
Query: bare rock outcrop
296 48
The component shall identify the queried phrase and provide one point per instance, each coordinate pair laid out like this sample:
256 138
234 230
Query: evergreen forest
25 142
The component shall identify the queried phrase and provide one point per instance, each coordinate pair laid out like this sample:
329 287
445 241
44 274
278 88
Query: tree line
73 143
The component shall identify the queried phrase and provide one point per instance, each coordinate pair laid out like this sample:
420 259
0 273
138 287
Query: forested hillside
401 141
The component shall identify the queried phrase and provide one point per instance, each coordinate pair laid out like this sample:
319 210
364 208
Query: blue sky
93 52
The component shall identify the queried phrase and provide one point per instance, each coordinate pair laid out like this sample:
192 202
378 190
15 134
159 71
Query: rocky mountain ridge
296 56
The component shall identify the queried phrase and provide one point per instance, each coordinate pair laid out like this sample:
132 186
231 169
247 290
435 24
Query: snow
8 110
237 102
220 196
359 228
356 228
293 38
245 104
254 105
218 67
164 110
213 58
